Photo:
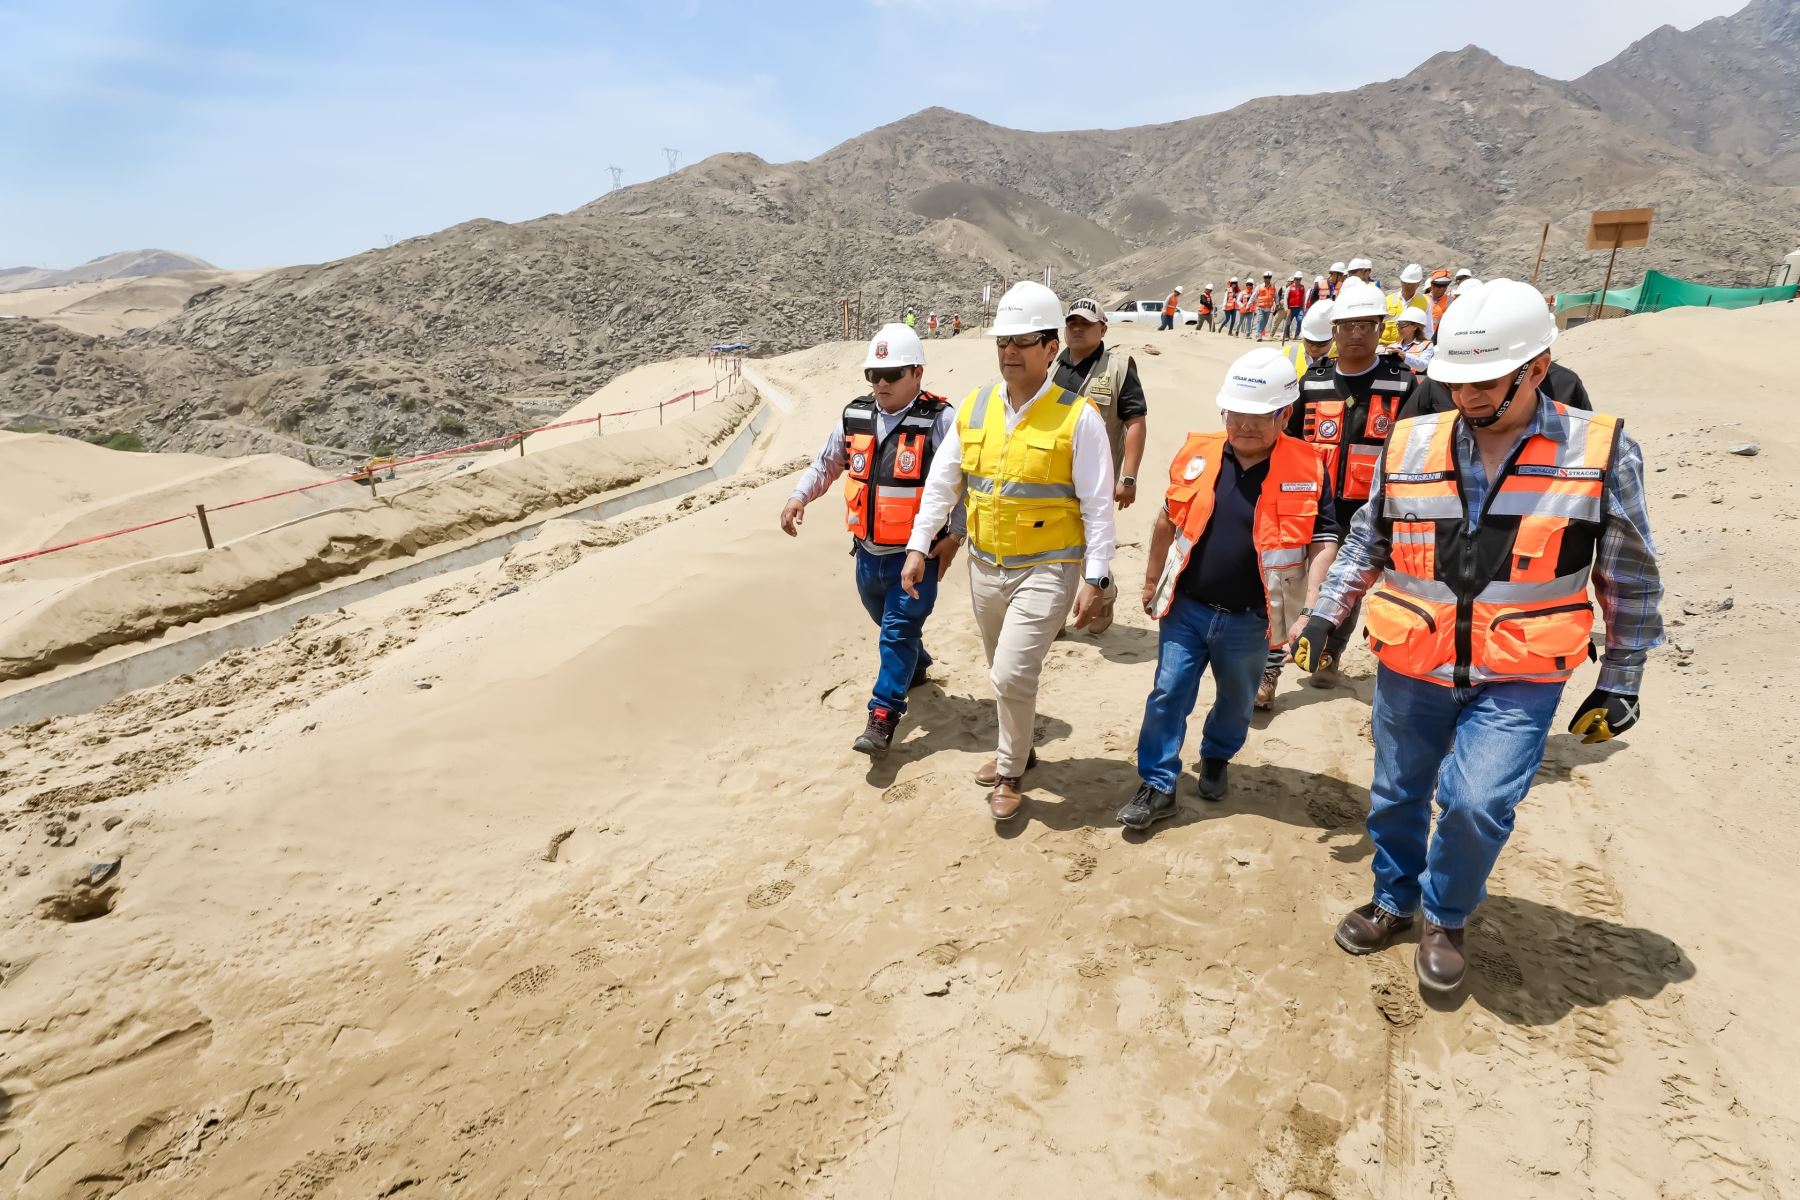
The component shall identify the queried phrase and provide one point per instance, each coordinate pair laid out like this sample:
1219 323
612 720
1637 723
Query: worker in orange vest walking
1246 536
1486 530
883 445
1170 307
1231 306
1265 305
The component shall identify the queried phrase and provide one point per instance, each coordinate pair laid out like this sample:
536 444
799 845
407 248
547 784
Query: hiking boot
1265 692
1212 778
989 772
1007 798
1147 808
1439 962
1369 928
878 734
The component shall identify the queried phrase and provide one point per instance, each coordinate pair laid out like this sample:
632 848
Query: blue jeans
902 621
1168 322
1479 747
1193 636
1292 328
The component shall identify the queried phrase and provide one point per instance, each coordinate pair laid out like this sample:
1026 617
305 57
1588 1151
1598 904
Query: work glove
1308 648
1604 716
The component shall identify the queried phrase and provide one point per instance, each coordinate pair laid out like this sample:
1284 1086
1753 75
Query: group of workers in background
1471 515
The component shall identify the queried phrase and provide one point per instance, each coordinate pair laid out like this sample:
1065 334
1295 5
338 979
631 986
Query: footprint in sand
1397 998
1498 968
1082 866
528 982
768 895
1331 808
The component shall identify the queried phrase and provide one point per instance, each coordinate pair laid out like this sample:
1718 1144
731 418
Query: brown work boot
1367 929
1007 798
1440 963
989 772
1265 694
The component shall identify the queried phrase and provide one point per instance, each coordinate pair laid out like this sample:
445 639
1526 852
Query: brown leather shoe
1265 693
989 771
1367 929
1007 799
1440 963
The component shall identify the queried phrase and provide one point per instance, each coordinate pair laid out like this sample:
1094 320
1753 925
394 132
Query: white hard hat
1027 307
1298 275
1491 332
1414 273
1464 273
1233 279
1361 264
1206 287
1268 274
1358 300
1262 381
1337 268
1178 287
895 345
1465 285
1318 279
1413 315
1316 325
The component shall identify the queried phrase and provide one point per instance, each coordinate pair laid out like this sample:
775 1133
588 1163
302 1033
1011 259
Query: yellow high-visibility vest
1021 497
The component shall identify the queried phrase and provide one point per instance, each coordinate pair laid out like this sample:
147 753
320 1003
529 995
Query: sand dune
107 307
558 877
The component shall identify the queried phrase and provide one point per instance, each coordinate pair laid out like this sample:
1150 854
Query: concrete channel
90 687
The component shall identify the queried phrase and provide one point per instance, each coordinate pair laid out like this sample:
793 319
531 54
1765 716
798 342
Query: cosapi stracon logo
880 349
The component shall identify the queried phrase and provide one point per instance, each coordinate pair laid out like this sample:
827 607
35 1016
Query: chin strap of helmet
1484 422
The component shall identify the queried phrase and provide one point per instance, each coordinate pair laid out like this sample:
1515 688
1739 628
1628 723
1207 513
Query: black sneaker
919 678
1147 808
1212 778
878 734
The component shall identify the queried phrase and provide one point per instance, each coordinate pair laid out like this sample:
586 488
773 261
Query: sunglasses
1023 341
884 374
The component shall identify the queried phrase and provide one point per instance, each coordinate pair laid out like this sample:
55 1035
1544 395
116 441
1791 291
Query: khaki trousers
1019 613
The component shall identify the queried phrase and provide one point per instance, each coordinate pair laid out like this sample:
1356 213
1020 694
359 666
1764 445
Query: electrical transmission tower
671 155
616 172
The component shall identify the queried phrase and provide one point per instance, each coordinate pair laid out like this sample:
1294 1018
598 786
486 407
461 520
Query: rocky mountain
127 264
1729 88
1461 161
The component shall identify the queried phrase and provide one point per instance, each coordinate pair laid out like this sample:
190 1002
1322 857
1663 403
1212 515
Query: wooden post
1540 258
205 529
1607 286
521 445
859 319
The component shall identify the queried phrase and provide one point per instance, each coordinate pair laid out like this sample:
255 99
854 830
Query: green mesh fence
1658 291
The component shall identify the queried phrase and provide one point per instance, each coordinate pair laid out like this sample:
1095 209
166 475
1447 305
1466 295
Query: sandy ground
558 878
114 306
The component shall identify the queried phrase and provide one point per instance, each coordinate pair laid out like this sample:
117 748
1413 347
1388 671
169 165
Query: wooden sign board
1619 228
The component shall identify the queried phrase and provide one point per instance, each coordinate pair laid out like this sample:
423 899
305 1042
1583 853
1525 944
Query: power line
671 155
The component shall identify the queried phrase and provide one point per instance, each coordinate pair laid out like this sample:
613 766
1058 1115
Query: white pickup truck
1147 312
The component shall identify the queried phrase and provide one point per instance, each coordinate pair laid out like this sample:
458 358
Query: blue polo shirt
1222 571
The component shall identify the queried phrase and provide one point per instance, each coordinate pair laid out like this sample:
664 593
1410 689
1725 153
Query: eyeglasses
1023 341
884 374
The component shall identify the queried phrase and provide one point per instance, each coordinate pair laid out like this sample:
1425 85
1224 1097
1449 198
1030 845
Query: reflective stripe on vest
1020 489
1282 529
1508 601
884 477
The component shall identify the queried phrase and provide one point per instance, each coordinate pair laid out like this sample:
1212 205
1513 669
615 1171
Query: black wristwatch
1128 480
1104 582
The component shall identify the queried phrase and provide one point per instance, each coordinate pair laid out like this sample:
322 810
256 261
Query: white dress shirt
1093 482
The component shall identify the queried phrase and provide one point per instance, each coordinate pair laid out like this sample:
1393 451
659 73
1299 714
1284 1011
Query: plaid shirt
1625 579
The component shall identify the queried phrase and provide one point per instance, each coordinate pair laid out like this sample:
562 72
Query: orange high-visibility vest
1171 304
1509 601
1285 513
884 478
1265 296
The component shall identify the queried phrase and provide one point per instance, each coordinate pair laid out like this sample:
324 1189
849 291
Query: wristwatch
1128 480
1104 582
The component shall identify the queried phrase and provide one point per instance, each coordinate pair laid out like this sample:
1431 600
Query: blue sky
264 132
